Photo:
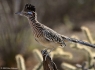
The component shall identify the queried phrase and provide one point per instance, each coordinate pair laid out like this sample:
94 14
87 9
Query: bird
44 35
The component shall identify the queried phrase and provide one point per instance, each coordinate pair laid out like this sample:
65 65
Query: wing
52 36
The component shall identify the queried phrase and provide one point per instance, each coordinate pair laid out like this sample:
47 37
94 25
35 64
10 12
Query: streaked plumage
43 34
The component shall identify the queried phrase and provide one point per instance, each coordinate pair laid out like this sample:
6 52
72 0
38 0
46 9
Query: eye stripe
30 13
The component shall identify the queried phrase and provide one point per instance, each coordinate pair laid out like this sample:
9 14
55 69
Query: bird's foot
49 53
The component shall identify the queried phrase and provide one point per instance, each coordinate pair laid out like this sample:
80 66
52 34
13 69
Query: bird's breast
46 43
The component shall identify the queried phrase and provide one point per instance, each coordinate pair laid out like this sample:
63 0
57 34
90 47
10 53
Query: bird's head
28 11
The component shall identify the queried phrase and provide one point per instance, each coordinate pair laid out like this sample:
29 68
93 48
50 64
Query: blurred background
64 16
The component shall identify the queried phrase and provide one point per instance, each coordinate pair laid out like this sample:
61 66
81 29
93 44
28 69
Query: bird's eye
30 13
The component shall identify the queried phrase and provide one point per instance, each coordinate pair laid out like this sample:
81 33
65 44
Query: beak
18 13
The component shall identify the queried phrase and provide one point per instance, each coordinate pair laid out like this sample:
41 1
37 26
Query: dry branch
48 63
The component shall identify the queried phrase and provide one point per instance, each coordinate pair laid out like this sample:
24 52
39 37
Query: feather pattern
79 41
45 35
29 7
53 36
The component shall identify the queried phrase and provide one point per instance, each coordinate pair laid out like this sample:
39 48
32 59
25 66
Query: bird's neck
34 23
36 26
32 20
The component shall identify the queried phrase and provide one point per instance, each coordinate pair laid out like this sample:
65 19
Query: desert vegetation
73 18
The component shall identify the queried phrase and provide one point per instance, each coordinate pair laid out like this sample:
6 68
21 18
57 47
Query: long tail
78 41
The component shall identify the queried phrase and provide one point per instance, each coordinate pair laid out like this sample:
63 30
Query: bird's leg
49 52
46 49
45 54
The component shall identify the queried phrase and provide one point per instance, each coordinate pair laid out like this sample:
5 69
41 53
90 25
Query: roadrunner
43 34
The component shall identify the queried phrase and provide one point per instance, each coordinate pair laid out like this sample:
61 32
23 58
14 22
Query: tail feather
78 41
